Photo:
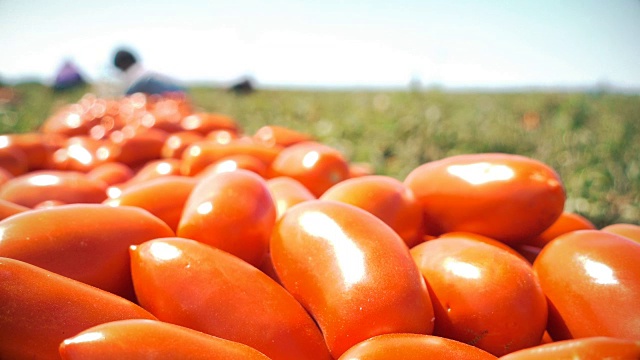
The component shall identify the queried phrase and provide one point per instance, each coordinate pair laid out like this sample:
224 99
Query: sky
332 43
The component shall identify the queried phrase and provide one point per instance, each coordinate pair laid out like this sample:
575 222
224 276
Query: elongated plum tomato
386 198
317 166
67 186
595 348
287 192
145 339
413 347
85 242
188 283
164 197
630 231
567 222
509 198
39 309
232 211
592 282
351 271
482 295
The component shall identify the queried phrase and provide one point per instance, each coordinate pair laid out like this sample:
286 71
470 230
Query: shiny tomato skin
484 239
201 154
39 309
81 153
386 198
287 192
143 339
404 346
67 186
567 222
482 295
205 123
351 272
591 348
191 284
13 160
506 197
111 173
155 169
317 166
85 242
235 162
177 142
232 211
8 208
280 135
138 145
630 231
163 197
592 282
36 146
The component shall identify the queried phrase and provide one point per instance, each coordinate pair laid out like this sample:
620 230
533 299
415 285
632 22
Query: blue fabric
154 85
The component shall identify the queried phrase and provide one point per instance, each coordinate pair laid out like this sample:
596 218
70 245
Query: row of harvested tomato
136 227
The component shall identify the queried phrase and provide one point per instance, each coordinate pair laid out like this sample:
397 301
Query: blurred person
68 77
138 79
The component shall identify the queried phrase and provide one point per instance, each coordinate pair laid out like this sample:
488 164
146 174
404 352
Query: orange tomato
188 283
235 162
386 198
39 309
13 160
67 186
592 282
204 123
482 295
509 198
8 208
280 135
203 153
484 239
567 222
287 192
232 211
413 347
144 339
138 145
82 153
592 348
155 169
630 231
85 242
164 197
317 166
351 272
112 173
36 146
177 142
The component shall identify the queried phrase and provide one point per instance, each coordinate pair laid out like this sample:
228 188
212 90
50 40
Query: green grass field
591 139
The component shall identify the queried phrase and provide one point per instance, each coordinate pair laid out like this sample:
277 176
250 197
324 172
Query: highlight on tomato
348 268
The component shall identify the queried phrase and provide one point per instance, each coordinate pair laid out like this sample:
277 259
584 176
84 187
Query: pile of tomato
141 228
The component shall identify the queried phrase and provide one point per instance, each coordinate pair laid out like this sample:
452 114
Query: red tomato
188 283
67 186
232 211
280 135
13 160
235 162
351 271
386 198
163 197
317 166
482 295
287 192
39 309
592 282
88 243
7 208
111 173
204 153
138 146
413 347
177 142
36 146
204 123
509 198
592 348
146 339
155 169
629 231
483 239
222 136
82 153
567 222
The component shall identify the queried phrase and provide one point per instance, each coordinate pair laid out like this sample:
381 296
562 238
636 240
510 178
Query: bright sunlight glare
481 173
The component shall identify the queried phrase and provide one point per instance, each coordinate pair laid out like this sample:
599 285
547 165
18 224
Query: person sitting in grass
139 80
